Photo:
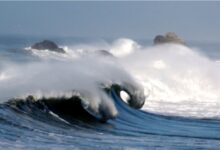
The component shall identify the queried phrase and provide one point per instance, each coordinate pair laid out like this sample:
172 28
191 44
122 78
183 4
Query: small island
169 37
47 45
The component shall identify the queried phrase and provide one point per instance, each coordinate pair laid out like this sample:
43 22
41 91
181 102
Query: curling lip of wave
78 75
103 110
58 119
171 74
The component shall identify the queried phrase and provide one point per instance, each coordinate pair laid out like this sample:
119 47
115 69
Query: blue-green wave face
117 94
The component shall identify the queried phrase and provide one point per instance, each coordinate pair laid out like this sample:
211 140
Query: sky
141 20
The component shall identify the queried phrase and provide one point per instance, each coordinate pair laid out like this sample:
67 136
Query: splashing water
179 80
77 99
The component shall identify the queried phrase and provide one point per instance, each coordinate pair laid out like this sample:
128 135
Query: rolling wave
172 75
65 121
89 98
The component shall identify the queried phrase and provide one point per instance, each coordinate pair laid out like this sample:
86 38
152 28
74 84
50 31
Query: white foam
178 80
124 96
123 47
61 78
47 54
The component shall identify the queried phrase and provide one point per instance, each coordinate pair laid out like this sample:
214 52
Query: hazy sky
191 20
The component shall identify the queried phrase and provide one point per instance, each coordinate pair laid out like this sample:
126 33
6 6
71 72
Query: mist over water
178 80
77 96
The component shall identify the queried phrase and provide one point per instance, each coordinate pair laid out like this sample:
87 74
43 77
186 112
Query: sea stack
47 45
169 37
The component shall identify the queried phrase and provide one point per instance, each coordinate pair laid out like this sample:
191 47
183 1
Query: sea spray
53 117
86 78
180 80
177 79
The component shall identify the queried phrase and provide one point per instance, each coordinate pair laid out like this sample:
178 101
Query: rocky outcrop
169 37
104 53
47 45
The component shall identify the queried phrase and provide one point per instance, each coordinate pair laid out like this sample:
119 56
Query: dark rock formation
104 53
169 37
47 45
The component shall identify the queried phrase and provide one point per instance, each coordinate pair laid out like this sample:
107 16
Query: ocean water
121 94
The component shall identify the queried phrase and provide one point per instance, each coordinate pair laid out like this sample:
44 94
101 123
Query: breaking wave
178 80
110 91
